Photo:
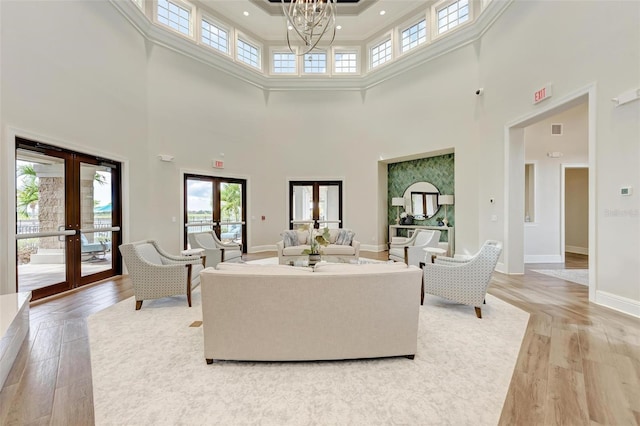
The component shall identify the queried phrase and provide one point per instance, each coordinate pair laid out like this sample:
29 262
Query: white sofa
286 255
288 313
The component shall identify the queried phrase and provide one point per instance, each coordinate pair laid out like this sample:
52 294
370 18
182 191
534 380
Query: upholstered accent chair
205 241
411 251
230 252
463 280
155 273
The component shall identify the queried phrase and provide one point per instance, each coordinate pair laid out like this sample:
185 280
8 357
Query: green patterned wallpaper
437 170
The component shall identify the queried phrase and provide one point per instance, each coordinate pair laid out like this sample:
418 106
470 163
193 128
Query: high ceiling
359 20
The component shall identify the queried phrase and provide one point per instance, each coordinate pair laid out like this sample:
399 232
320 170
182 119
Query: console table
449 230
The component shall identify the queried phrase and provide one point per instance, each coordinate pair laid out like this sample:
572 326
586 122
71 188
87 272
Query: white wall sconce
165 157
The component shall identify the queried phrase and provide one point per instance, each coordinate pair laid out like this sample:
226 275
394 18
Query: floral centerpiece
316 242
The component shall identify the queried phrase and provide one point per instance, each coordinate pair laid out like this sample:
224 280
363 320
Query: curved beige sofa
286 255
286 313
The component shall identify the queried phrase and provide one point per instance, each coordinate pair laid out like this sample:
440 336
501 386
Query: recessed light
382 12
339 27
289 27
245 13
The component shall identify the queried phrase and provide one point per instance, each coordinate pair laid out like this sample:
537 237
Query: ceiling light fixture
382 12
245 13
311 19
338 27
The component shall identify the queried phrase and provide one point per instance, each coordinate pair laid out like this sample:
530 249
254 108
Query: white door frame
514 179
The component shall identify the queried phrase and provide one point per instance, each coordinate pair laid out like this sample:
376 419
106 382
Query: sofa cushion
367 268
256 269
295 250
290 238
336 249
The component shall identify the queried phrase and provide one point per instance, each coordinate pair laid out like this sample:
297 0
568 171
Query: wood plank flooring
579 363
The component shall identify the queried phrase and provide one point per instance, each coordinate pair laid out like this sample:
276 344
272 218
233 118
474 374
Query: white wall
94 84
573 45
542 237
73 75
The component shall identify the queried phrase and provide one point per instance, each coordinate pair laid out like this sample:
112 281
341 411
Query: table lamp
397 202
445 200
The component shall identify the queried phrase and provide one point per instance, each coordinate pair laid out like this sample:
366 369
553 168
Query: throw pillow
290 238
345 237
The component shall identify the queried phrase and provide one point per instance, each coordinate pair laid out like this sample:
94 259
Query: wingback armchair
411 251
229 252
155 273
463 281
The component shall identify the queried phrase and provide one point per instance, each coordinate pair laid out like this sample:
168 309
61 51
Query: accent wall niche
438 170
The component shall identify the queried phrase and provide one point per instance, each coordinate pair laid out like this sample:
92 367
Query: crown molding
466 34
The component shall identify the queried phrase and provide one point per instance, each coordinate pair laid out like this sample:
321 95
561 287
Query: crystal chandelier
311 20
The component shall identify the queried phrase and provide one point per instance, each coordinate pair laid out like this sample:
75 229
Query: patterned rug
148 368
578 276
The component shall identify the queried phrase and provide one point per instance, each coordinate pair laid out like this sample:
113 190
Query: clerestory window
381 53
452 15
215 36
248 53
414 35
174 15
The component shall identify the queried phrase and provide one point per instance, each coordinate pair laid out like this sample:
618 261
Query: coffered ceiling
360 20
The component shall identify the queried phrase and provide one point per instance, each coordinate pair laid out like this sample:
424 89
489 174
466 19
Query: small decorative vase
313 259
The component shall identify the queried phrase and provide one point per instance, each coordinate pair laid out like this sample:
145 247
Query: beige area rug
578 276
148 368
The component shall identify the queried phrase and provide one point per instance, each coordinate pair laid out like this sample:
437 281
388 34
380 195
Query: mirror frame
421 188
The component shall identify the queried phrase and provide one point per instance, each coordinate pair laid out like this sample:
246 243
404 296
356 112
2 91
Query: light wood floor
579 363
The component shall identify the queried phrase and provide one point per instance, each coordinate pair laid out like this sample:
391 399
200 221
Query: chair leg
138 305
422 292
478 312
189 285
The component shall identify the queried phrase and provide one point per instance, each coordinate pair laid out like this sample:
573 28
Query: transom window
174 16
453 15
284 63
381 53
315 63
214 36
414 35
345 62
248 54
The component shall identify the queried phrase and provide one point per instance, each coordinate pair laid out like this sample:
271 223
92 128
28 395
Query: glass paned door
317 202
67 218
96 218
216 204
40 222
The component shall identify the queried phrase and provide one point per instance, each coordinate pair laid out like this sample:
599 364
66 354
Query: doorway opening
515 223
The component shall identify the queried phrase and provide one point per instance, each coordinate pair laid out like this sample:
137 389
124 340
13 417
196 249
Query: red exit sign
218 164
542 94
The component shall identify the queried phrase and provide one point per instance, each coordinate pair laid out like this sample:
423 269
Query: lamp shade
445 200
397 202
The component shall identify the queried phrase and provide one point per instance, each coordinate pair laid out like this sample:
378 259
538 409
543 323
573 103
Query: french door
317 203
216 204
67 218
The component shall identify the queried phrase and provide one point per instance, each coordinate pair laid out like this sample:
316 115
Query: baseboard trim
577 250
618 303
543 258
260 249
373 247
